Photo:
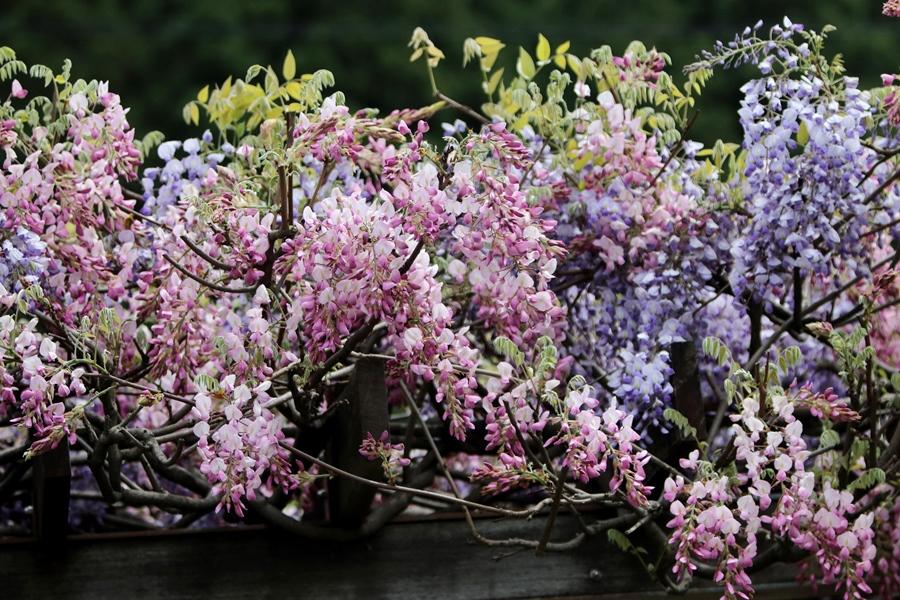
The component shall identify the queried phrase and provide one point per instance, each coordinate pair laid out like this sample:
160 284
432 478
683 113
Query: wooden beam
51 481
366 411
687 398
436 560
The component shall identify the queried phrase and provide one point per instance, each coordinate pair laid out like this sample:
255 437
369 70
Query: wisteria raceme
356 265
242 450
52 200
805 163
887 534
164 186
655 247
778 492
24 261
505 253
891 8
749 47
595 444
390 455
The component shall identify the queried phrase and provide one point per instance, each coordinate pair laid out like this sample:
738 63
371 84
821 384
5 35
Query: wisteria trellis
187 329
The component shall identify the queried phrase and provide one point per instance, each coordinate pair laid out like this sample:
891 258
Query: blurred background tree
158 53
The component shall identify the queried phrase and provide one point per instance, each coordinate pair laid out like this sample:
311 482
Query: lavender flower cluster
748 47
23 260
163 186
805 161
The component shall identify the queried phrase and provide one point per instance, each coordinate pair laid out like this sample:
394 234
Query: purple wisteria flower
23 260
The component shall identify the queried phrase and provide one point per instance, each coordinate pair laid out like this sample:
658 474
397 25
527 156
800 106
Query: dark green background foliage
157 54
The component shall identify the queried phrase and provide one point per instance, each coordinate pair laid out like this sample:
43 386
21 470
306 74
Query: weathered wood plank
349 501
687 398
434 560
51 482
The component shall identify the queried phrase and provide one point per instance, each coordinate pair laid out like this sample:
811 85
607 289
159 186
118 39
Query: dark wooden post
367 411
52 478
687 398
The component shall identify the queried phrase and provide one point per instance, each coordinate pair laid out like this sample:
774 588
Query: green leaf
577 382
543 48
506 347
681 422
792 355
618 538
203 95
829 437
525 64
150 141
729 389
207 383
868 479
716 349
289 68
41 72
252 73
187 112
548 355
6 54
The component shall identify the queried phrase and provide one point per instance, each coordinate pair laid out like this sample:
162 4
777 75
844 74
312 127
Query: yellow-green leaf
203 95
294 89
560 61
494 81
488 60
525 64
543 48
582 161
563 48
271 81
489 45
289 68
575 66
195 114
802 134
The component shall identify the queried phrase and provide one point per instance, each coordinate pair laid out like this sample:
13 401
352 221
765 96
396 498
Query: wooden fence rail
428 559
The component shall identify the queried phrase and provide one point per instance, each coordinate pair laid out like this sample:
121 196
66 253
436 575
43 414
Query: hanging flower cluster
717 519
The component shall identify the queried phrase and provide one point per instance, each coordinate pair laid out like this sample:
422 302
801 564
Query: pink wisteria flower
720 517
17 90
390 455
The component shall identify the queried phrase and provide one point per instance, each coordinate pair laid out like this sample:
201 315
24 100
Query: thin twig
408 490
199 252
463 108
210 284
